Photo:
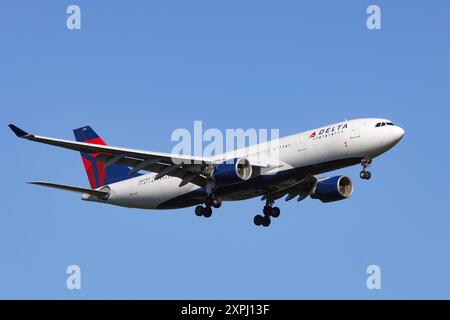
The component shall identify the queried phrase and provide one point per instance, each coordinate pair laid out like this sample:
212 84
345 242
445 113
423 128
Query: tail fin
97 174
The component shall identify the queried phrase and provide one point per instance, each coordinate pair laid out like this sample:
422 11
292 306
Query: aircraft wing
98 193
112 151
188 168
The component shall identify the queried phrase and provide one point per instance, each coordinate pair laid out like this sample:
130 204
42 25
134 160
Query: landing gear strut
268 211
212 201
365 174
206 211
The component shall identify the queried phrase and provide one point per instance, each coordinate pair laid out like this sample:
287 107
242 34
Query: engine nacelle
333 189
233 172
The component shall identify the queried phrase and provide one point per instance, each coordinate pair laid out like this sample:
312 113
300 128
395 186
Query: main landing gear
268 211
365 174
206 211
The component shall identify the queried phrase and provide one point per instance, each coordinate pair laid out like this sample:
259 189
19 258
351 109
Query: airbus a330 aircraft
271 170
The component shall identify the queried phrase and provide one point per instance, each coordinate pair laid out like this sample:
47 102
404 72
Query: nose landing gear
268 212
365 174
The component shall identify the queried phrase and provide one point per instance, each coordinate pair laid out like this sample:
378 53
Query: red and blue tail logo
97 174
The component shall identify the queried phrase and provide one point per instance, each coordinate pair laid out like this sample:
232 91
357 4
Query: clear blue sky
138 70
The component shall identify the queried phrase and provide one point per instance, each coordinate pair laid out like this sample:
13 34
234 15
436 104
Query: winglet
19 132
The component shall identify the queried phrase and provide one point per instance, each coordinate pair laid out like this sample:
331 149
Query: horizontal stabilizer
98 193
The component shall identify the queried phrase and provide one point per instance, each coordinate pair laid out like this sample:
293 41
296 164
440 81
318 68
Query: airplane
287 166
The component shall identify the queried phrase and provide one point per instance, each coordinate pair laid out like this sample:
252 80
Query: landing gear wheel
267 211
207 212
199 211
365 175
275 212
216 203
265 221
258 220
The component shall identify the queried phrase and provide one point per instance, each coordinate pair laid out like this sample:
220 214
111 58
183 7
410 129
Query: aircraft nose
398 133
391 136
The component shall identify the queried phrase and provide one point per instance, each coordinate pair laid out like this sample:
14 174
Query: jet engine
333 189
233 171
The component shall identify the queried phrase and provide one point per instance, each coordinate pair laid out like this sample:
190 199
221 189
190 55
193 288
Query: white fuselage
352 139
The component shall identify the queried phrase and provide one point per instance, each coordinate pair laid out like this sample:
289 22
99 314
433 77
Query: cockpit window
382 124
